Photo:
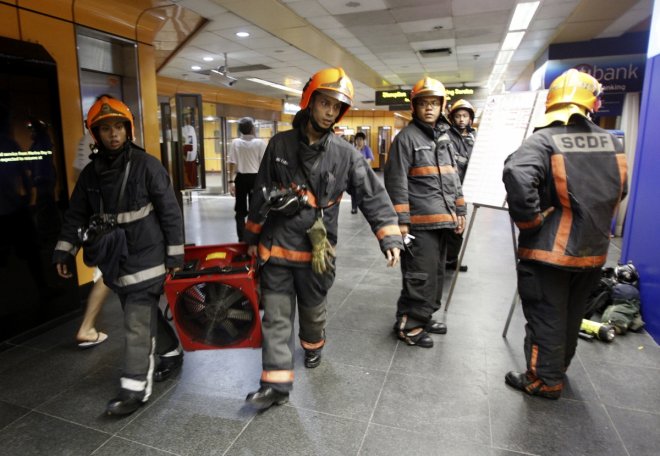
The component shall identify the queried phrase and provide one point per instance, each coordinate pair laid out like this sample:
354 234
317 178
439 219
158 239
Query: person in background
190 163
461 116
292 226
136 240
421 179
360 145
243 159
563 186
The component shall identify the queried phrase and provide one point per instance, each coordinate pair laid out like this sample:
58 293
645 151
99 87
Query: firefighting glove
323 253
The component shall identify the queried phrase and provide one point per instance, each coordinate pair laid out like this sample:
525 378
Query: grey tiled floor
370 396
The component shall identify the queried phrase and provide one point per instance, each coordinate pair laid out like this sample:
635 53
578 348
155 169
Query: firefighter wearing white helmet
292 227
563 185
421 179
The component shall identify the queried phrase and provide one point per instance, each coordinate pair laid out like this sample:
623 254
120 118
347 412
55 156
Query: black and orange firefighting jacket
283 239
421 177
463 147
579 170
149 215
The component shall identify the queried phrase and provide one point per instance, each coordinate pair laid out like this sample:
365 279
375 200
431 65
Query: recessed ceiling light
208 59
242 34
195 67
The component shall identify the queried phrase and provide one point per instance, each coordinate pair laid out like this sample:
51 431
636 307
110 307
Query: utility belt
289 201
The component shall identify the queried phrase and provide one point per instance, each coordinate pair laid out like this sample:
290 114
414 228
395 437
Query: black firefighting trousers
281 287
423 274
553 301
146 333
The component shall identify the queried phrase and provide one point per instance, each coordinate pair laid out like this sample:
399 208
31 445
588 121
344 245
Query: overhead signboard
392 97
467 93
617 73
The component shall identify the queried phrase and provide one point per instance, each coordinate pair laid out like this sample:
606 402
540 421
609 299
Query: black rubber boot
436 327
266 397
125 403
312 358
416 336
167 367
528 383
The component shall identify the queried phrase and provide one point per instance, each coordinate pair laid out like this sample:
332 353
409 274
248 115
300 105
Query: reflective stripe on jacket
421 179
579 170
149 214
283 239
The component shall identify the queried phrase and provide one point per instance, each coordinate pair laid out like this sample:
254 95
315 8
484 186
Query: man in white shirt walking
243 162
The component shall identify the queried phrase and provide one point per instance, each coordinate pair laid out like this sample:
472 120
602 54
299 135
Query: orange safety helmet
109 108
573 92
428 87
462 104
332 82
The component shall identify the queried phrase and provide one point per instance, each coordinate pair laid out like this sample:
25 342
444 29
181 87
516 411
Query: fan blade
229 327
239 314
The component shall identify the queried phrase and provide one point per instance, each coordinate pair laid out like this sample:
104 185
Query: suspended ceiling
378 42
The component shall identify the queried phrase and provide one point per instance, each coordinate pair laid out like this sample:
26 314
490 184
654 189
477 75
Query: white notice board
505 123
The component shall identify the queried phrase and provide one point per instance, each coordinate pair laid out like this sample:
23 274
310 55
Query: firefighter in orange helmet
123 210
292 227
461 116
421 179
563 185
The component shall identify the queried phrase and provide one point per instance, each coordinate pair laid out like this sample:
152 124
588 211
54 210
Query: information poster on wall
506 121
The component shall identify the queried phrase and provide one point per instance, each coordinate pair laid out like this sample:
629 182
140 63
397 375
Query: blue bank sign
617 74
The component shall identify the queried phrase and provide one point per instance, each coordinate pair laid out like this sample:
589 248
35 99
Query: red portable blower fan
214 300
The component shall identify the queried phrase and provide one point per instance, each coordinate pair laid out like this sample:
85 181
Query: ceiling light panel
504 57
523 15
512 41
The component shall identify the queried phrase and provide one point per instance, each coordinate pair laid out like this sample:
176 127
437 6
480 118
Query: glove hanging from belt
323 253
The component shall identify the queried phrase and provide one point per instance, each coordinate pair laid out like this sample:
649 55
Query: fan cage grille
215 313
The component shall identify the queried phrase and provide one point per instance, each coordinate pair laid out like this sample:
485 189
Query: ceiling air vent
437 52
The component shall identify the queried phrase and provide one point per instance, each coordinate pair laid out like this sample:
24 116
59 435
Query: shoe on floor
100 338
125 403
353 211
266 397
312 358
528 383
167 367
436 327
416 336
